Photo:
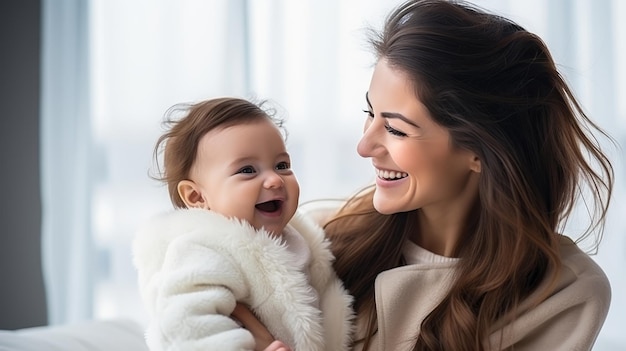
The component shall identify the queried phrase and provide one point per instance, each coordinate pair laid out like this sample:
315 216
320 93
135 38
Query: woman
480 151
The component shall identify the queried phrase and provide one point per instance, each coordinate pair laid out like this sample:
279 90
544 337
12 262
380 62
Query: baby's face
244 171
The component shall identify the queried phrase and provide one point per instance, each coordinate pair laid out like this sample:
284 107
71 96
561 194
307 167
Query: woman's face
413 157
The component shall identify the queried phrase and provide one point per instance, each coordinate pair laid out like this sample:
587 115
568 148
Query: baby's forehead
243 140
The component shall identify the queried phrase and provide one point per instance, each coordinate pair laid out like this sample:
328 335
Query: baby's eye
247 170
283 166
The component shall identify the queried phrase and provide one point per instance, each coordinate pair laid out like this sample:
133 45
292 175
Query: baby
235 237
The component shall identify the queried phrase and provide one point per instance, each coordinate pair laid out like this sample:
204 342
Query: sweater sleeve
191 297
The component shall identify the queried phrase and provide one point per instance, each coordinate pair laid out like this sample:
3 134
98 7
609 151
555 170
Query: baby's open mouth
269 206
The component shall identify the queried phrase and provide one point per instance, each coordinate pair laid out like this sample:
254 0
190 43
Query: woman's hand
263 339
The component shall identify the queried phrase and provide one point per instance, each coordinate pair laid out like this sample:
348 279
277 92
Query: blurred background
85 84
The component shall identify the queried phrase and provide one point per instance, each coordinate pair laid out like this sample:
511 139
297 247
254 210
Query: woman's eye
369 113
393 131
281 166
247 170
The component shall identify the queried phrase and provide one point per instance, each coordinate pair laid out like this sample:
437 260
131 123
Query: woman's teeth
390 175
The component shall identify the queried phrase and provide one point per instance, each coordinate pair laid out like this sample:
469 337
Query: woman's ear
474 164
191 194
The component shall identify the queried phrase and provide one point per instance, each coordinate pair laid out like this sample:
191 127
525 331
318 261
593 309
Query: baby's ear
191 194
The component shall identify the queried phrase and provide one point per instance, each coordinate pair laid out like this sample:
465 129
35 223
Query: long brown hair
179 144
495 88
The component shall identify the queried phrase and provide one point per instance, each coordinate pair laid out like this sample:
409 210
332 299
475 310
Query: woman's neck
438 233
441 226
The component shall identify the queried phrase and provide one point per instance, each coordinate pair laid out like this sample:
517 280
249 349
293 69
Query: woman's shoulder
581 281
572 313
580 270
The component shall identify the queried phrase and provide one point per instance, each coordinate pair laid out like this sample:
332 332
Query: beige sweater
568 320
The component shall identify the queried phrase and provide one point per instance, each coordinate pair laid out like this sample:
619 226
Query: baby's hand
277 346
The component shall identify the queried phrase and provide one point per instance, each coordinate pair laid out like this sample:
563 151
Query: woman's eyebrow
398 116
391 114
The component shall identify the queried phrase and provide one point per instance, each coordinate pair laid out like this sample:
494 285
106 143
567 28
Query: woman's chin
382 206
388 205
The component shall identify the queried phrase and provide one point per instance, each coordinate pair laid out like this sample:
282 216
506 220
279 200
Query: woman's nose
273 181
369 144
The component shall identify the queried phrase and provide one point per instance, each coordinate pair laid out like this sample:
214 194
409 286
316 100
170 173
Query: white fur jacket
193 266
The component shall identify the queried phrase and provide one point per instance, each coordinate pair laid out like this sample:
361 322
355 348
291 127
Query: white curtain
123 63
66 161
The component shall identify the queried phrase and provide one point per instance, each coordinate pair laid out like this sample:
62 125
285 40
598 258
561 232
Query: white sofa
101 335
